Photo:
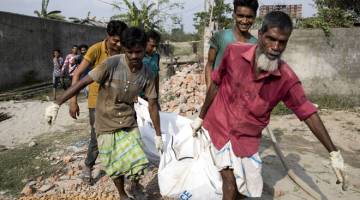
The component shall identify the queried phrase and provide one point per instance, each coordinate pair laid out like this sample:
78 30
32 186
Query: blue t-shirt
220 40
152 62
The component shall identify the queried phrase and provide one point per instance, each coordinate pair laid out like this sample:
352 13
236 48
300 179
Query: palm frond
37 13
54 12
44 5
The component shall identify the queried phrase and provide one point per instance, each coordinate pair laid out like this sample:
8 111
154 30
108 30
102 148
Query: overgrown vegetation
332 14
221 13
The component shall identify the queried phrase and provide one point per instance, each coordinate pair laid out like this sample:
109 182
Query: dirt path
309 159
27 121
303 152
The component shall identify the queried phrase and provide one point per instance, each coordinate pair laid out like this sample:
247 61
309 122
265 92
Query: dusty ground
65 155
27 121
303 152
309 159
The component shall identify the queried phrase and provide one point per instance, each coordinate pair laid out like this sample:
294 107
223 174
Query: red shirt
242 106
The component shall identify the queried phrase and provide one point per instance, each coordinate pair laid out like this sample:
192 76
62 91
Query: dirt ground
303 153
27 121
68 138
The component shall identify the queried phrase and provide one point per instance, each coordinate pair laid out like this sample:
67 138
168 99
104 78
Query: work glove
51 112
337 163
196 125
159 143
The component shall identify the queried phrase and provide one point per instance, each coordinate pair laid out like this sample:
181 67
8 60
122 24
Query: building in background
294 11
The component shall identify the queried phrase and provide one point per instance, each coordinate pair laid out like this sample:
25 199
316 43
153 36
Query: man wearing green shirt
244 17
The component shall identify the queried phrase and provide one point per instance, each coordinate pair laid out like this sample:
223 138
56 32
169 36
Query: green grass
334 102
182 49
20 163
281 109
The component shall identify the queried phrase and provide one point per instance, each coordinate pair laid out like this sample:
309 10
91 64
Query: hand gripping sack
186 170
194 177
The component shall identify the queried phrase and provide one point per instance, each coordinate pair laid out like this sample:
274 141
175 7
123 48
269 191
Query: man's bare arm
317 127
74 110
157 85
74 89
77 74
209 65
154 115
210 95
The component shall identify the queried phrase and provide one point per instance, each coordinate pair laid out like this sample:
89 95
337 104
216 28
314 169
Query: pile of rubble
184 92
67 182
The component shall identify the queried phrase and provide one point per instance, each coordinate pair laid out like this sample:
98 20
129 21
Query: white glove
51 112
159 143
196 125
337 163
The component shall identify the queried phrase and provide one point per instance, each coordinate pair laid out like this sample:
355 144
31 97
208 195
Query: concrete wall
26 45
322 68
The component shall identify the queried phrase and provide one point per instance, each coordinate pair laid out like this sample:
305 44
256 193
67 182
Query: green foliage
221 14
331 14
352 6
43 13
329 18
178 35
87 20
145 14
258 22
281 109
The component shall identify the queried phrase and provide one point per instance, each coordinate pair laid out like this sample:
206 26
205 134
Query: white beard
265 64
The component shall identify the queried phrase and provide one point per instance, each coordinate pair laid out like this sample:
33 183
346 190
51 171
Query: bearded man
249 82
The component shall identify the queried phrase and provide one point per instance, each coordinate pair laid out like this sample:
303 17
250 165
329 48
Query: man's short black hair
276 19
152 34
132 37
252 4
75 46
83 46
115 27
58 50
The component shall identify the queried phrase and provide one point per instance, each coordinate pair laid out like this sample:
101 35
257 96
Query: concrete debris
46 188
67 159
67 182
32 144
184 93
27 190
